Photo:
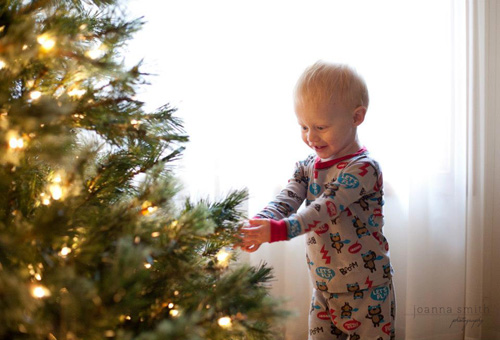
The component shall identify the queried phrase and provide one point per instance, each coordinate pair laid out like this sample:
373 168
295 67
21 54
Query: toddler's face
329 130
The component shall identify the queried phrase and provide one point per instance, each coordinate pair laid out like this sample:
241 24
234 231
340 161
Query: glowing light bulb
147 265
2 64
40 292
170 305
223 257
46 42
225 322
55 191
148 208
65 251
174 312
34 95
16 143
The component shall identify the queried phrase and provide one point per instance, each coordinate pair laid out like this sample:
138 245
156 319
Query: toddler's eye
304 128
320 128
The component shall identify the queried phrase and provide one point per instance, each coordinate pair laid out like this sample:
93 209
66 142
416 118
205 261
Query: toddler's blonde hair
326 82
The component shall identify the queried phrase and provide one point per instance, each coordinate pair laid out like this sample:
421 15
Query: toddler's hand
255 233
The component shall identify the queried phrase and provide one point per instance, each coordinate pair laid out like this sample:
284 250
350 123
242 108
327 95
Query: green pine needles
92 242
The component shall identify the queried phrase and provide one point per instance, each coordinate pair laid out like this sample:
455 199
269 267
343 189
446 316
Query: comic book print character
387 271
354 288
331 188
299 177
374 313
321 286
346 311
338 244
335 331
360 226
369 258
363 203
355 336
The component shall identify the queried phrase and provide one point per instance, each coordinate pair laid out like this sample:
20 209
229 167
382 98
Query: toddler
346 251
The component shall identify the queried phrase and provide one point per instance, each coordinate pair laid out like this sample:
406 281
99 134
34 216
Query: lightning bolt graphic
310 226
369 282
333 316
364 172
325 255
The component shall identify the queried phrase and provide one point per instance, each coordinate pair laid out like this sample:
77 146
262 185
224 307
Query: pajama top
345 247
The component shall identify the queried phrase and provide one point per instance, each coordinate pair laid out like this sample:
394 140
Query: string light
2 64
65 251
225 322
40 292
148 208
223 257
34 95
46 42
16 143
55 191
174 312
147 265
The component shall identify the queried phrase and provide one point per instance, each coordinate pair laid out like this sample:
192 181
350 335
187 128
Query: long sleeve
357 185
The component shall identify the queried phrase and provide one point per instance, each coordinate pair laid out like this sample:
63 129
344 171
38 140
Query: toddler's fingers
252 231
251 248
255 222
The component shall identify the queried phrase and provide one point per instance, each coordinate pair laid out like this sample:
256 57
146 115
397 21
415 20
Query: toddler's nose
312 137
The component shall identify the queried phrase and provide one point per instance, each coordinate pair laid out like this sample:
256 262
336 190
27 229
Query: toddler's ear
359 115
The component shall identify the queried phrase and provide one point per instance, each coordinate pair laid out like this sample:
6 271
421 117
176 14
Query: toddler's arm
360 182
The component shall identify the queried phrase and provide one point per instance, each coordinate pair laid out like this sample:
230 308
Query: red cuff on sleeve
279 231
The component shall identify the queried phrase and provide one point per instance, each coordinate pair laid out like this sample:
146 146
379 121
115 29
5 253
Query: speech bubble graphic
325 273
387 328
315 188
342 165
349 181
332 209
355 248
351 324
380 293
323 315
322 229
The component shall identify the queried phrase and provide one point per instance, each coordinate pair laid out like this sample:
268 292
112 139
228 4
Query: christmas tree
94 242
